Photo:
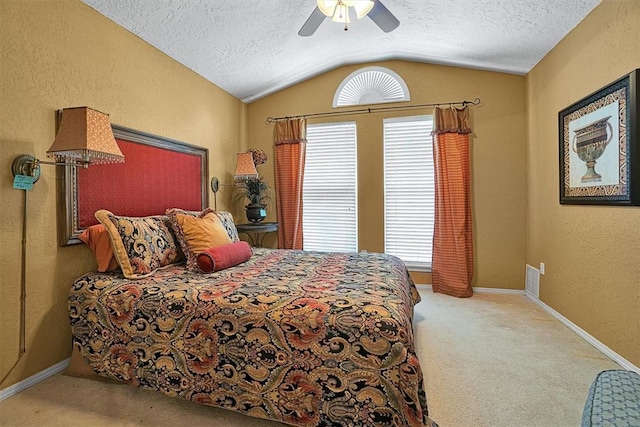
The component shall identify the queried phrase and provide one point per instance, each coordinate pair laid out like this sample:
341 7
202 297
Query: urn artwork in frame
599 153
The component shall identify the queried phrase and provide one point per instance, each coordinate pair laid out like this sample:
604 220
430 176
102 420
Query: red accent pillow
97 239
225 256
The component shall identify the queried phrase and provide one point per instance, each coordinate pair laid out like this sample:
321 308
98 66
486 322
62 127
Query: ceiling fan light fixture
337 10
327 7
362 7
341 14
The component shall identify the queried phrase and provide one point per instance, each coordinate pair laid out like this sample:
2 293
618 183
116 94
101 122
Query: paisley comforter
305 338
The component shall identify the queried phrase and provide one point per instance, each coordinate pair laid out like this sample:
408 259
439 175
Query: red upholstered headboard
157 173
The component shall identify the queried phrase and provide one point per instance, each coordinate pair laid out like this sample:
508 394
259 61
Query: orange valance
451 120
290 131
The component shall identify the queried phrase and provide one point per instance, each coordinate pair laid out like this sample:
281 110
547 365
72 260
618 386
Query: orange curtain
452 264
290 147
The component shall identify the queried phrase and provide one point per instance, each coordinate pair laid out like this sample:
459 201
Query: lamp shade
362 7
85 134
338 10
245 168
327 7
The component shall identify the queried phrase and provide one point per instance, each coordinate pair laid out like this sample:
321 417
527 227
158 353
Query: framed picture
599 153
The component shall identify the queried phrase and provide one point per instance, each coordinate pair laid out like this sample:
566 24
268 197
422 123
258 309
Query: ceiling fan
338 10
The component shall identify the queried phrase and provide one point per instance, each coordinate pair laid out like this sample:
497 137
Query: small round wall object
26 165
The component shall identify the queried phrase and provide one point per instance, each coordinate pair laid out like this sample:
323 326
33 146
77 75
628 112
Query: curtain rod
371 110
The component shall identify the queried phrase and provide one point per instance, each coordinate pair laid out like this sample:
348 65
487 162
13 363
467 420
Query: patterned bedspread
304 338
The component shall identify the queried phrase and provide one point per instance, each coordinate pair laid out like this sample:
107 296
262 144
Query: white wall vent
532 284
371 85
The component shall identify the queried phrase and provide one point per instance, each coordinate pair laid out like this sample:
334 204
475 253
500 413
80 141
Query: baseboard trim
498 291
34 379
624 363
482 290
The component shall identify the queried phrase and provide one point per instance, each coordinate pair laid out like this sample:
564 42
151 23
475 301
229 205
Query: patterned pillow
197 233
141 245
229 225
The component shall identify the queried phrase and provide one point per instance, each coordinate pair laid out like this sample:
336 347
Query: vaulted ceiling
251 48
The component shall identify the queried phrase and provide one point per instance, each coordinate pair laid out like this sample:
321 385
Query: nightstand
257 231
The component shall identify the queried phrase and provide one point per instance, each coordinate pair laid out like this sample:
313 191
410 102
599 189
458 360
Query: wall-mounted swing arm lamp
84 137
245 169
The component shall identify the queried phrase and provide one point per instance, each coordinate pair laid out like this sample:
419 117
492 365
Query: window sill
418 267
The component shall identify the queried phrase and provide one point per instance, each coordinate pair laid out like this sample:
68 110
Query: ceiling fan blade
383 17
313 22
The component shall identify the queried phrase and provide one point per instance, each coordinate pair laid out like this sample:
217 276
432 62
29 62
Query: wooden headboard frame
67 180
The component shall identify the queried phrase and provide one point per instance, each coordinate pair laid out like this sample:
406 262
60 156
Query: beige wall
591 253
57 54
499 175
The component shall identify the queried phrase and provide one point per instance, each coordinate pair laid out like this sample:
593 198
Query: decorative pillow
225 217
141 245
225 256
98 240
198 233
229 225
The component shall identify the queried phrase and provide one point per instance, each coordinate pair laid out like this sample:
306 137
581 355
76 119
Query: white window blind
409 190
329 218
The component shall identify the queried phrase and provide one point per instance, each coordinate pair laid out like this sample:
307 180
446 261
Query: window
371 85
329 218
409 190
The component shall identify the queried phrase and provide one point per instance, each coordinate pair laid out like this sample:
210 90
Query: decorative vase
589 143
255 212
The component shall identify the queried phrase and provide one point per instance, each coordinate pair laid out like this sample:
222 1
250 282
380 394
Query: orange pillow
97 239
197 234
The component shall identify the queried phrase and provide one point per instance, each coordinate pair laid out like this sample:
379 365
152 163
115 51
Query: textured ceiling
251 48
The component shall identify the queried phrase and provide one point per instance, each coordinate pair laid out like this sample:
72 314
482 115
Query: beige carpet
490 360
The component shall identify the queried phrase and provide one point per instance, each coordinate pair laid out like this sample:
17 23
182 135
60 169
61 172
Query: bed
304 338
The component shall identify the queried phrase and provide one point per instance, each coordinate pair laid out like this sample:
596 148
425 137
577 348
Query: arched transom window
371 85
